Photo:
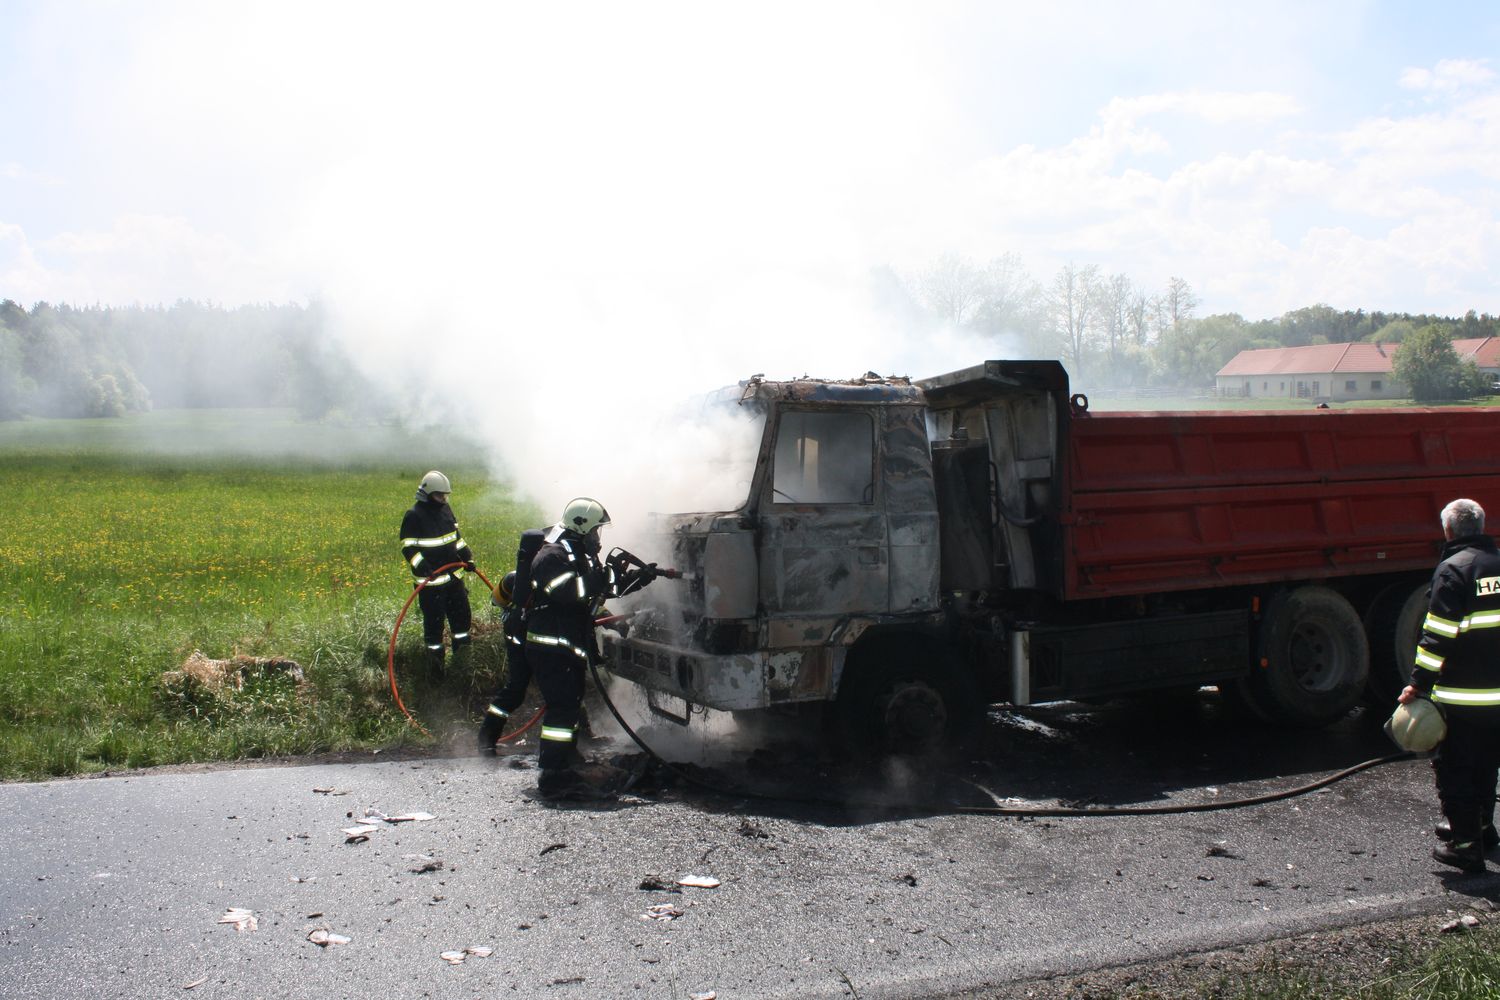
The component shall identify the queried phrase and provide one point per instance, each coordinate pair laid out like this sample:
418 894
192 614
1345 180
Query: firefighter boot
1467 856
1490 837
435 669
492 728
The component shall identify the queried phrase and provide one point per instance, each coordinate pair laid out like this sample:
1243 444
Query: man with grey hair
1458 667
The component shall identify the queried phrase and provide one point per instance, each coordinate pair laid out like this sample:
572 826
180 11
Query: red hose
390 656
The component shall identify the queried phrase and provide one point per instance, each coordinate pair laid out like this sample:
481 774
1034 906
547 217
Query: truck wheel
905 698
1314 659
1393 624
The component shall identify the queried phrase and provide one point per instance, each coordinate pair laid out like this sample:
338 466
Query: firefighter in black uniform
513 597
1458 667
429 540
517 670
569 584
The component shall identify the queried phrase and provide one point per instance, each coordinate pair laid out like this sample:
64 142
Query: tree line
98 361
1112 333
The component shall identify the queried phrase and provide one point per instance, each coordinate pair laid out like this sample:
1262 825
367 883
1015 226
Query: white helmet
583 515
1418 726
433 482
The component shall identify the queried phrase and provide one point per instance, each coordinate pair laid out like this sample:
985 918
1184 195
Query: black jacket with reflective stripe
567 585
1458 656
430 538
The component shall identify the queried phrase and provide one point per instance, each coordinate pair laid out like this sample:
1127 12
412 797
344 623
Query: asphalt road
115 886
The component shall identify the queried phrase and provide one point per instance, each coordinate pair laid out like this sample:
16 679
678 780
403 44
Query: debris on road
373 818
1467 922
910 878
430 865
749 829
549 849
663 911
303 878
243 920
453 957
699 882
459 957
710 995
330 791
655 883
195 983
323 937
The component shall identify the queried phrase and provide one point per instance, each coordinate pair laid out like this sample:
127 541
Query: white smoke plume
556 246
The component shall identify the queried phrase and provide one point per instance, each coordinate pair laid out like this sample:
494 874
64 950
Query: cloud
1448 76
1218 107
141 258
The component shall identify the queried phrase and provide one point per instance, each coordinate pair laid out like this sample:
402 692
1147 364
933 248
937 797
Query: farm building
1334 371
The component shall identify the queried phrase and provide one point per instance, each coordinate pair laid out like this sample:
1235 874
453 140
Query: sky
696 192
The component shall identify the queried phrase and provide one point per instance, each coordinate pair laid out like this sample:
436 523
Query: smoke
548 228
555 247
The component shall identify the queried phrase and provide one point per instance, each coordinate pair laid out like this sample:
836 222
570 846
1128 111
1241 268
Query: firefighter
517 670
513 597
430 540
569 583
1458 667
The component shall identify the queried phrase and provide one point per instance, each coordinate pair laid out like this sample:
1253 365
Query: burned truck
909 551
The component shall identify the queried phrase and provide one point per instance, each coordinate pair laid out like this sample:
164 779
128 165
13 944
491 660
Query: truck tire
904 697
1313 659
1393 624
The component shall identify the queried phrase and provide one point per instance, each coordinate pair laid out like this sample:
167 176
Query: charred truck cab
911 551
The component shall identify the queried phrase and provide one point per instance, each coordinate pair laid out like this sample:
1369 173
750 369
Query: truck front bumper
731 682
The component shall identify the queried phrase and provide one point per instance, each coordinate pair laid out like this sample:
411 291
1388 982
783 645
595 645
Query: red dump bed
1181 501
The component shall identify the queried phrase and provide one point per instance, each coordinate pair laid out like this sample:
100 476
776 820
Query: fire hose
390 656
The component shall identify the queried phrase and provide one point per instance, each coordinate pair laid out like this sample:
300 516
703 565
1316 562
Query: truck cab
840 544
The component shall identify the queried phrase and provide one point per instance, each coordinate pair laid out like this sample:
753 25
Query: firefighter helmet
433 482
1417 726
584 514
505 592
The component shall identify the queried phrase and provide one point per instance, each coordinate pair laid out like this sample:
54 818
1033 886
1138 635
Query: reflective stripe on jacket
430 538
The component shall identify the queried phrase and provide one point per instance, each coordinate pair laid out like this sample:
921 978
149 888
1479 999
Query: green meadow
131 543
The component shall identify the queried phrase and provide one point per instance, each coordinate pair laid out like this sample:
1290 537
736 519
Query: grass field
128 544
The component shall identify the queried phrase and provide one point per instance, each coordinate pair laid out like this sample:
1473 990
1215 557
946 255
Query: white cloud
1448 75
1218 107
150 259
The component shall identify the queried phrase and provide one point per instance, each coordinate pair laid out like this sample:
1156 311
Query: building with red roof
1334 372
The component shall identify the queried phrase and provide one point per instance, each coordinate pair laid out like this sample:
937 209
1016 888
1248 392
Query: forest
1110 333
100 361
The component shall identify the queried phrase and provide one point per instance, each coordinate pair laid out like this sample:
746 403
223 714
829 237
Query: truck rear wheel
905 697
1394 625
1314 659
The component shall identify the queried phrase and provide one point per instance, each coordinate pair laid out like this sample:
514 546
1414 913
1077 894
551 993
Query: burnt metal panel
822 561
730 577
728 683
911 511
